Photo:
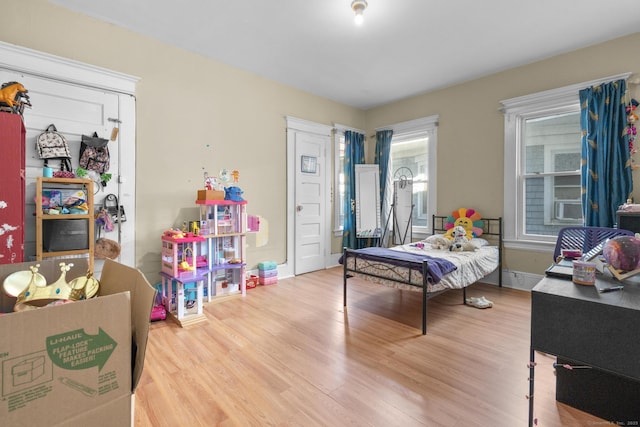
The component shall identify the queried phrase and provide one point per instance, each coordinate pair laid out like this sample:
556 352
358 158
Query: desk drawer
601 335
608 396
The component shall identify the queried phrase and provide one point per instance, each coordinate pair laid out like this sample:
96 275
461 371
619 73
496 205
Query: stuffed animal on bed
439 242
460 241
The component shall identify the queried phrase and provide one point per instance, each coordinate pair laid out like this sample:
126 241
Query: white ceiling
404 47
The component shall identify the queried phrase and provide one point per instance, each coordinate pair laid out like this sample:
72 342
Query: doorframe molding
296 124
24 60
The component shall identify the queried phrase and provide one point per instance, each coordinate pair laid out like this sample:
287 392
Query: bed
420 267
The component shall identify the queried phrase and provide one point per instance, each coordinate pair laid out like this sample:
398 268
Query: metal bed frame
492 228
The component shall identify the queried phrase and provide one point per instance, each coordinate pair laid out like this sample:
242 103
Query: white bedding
471 267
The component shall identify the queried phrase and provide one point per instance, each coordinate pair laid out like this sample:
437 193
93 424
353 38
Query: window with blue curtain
551 166
353 155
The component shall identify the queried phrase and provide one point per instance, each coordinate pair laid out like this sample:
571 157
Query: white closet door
75 111
311 196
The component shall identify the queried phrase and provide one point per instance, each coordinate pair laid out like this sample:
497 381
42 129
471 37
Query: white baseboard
334 260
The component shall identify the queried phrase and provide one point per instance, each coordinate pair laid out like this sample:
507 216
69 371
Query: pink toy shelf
180 257
183 272
224 224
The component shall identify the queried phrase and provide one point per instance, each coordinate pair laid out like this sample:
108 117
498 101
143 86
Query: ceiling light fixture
358 7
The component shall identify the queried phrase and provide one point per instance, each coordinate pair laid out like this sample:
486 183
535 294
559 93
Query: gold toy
38 294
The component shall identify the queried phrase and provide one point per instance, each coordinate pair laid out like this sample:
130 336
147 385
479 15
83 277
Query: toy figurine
13 97
208 181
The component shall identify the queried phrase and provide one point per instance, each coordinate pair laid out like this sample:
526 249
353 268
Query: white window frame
425 127
555 101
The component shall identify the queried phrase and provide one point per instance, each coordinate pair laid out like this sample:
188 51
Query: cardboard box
210 195
75 364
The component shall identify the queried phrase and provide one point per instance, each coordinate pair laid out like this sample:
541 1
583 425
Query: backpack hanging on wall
115 209
94 153
51 144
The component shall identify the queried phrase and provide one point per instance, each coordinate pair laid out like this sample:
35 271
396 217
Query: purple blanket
436 267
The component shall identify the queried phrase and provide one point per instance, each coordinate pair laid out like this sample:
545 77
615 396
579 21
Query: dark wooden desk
599 330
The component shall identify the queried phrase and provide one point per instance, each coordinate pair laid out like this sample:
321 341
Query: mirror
367 201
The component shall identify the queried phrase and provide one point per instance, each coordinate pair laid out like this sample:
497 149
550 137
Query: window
409 159
542 187
413 147
338 194
551 150
338 176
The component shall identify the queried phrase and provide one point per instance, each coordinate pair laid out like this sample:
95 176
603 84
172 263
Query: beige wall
197 115
471 131
194 115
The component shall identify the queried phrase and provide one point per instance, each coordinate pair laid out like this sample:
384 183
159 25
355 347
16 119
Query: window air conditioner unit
568 210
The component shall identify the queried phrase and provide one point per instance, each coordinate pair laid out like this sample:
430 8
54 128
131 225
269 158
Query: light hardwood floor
291 355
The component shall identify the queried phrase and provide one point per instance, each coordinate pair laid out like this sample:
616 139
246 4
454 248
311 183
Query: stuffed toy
439 242
13 98
234 194
460 241
106 248
469 219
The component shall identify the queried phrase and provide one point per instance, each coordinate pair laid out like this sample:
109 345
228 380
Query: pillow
434 238
479 242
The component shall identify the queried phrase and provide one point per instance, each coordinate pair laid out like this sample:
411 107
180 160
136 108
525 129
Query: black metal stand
396 227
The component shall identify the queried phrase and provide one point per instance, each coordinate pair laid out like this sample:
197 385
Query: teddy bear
460 241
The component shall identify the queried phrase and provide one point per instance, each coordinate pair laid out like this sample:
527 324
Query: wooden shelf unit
86 185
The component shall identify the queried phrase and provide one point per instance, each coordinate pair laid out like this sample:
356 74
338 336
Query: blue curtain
606 162
353 155
383 155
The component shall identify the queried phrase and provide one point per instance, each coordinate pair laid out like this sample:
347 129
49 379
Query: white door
75 111
310 201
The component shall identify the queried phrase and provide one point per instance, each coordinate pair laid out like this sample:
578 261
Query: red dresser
12 188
